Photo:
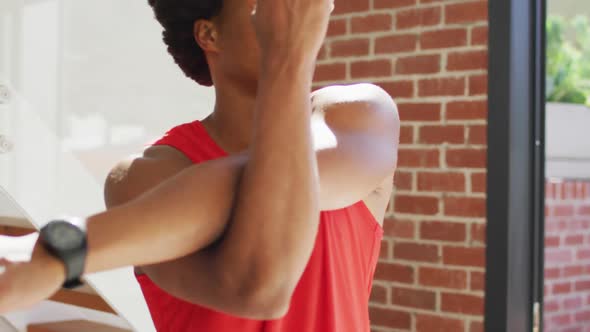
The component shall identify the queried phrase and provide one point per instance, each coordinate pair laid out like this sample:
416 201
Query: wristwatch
66 241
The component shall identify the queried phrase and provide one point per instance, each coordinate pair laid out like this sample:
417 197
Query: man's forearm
277 208
183 214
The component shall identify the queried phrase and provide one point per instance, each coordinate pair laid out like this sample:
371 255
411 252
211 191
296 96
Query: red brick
467 110
443 38
573 303
583 285
418 157
418 17
378 294
406 136
464 256
565 189
572 271
349 48
442 277
551 306
428 323
418 64
330 72
560 256
580 190
396 43
416 252
416 204
583 254
350 6
478 182
563 319
419 111
467 12
403 180
395 272
562 288
552 241
563 211
398 89
337 27
579 225
441 87
549 190
574 239
465 207
478 281
478 233
552 273
472 158
413 298
444 231
396 228
390 4
390 318
582 316
476 327
371 23
478 135
478 85
442 134
470 60
460 303
431 181
584 210
479 35
370 68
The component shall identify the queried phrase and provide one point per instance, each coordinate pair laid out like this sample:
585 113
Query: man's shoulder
139 173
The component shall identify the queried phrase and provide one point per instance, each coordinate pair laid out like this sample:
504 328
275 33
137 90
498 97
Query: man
263 217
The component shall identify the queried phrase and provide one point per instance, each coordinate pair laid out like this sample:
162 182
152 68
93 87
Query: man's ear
205 34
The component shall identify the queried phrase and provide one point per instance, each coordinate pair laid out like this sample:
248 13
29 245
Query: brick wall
567 256
431 56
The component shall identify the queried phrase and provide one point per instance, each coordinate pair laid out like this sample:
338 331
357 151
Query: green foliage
568 60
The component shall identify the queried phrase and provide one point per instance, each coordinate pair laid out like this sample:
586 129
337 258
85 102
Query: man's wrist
54 266
280 62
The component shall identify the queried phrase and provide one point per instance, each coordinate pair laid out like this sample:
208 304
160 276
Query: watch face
64 236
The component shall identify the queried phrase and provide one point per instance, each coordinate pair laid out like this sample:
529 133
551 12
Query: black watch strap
72 284
72 255
74 264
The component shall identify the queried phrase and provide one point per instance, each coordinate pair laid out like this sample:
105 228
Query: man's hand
292 28
25 283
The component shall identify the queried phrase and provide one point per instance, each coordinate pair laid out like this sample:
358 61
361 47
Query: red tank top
333 293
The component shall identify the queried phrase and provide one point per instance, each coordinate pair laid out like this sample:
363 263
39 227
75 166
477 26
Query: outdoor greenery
568 60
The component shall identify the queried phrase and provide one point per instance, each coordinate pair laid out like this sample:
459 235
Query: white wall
568 8
567 141
90 83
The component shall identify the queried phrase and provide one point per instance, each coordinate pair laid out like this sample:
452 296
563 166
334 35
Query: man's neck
230 124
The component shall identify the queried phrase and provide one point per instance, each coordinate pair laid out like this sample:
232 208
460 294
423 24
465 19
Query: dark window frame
515 193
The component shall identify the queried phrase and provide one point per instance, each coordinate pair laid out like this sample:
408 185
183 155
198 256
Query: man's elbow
263 302
257 293
269 306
